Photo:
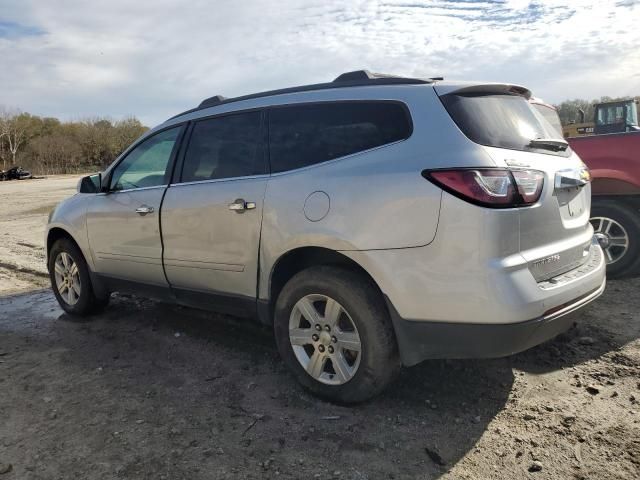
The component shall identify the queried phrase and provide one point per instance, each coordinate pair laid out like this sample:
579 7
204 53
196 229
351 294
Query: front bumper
420 340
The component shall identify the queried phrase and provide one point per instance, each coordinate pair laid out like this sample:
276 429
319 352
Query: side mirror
90 184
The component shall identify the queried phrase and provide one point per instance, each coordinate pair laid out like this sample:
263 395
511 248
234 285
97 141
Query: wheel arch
631 201
613 183
55 234
624 210
298 259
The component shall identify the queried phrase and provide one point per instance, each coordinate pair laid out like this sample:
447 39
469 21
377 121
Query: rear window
550 115
302 135
504 121
225 147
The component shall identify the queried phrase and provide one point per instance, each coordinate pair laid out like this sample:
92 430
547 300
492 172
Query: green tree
45 145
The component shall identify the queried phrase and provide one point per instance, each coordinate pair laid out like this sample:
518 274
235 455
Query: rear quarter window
550 115
302 135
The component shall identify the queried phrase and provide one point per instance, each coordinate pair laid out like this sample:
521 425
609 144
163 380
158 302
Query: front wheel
617 228
70 280
333 332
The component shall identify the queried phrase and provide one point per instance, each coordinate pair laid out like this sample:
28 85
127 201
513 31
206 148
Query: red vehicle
614 161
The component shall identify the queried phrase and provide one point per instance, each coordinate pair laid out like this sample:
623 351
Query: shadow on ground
602 328
147 390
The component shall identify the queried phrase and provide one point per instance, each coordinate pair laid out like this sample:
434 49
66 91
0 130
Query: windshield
503 121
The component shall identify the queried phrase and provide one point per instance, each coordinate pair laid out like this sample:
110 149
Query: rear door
556 229
211 215
123 223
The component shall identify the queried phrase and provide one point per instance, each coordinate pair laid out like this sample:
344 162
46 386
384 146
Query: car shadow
602 328
171 379
168 378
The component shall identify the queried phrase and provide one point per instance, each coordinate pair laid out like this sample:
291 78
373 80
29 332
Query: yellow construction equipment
609 117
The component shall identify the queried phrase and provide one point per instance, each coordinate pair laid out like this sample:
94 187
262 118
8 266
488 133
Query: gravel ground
24 207
150 391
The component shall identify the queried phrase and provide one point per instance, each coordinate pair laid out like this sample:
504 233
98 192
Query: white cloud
154 59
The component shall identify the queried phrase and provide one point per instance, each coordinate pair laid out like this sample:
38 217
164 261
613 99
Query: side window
301 135
146 165
224 147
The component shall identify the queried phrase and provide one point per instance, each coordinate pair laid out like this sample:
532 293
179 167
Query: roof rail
212 101
364 75
357 78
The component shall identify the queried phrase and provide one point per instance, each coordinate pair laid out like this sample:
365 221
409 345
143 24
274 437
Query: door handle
240 205
144 209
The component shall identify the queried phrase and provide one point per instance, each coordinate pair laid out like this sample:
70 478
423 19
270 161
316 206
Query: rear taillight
529 183
490 187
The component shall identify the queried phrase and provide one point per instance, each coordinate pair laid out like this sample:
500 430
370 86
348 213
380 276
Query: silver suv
373 221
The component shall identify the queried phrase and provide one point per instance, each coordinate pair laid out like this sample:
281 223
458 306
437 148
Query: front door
211 216
123 223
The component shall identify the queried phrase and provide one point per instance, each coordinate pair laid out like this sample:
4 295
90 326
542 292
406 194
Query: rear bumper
421 340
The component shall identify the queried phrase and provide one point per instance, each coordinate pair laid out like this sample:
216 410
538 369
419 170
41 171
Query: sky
152 59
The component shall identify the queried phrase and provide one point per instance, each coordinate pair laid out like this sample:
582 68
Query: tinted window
146 165
302 135
224 147
504 121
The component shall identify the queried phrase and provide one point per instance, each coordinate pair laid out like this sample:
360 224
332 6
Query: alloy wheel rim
612 236
67 278
325 339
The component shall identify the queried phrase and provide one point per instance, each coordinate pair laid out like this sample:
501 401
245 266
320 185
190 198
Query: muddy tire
618 226
70 280
333 332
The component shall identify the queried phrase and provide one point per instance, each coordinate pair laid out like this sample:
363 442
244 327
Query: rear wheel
333 332
70 280
617 228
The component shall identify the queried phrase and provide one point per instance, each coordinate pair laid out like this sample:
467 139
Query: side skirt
236 305
115 284
239 306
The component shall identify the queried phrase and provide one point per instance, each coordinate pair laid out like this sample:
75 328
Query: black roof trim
367 76
212 101
357 78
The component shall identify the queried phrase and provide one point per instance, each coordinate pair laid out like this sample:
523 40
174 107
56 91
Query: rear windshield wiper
554 144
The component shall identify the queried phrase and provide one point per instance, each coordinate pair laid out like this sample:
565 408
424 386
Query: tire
624 221
86 302
358 376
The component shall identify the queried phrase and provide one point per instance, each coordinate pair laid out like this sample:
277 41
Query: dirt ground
150 391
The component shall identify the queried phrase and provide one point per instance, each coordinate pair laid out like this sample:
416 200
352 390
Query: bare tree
3 133
18 134
2 153
14 127
54 153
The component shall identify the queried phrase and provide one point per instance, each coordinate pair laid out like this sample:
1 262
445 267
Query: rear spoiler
539 101
482 88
